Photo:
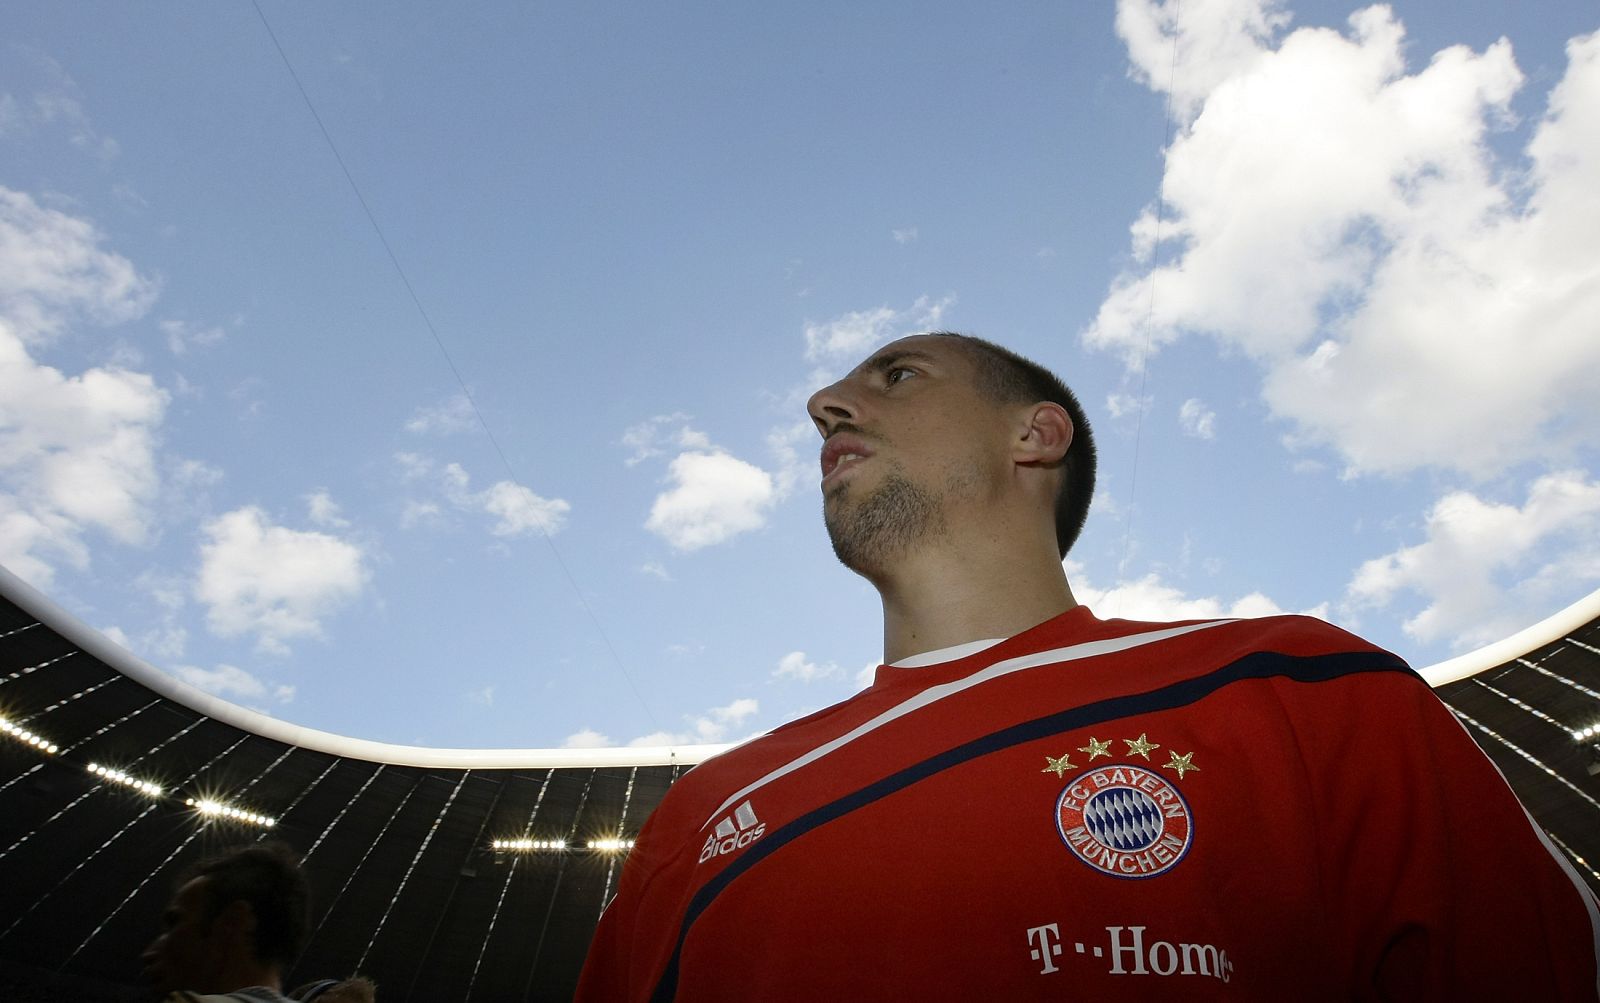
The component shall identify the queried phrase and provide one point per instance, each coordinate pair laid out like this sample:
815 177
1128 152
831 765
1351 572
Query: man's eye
897 375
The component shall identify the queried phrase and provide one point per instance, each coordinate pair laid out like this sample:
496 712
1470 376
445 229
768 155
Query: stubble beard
869 536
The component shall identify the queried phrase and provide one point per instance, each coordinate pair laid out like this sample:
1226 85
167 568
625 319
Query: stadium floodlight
1586 734
27 737
611 845
524 845
119 777
217 809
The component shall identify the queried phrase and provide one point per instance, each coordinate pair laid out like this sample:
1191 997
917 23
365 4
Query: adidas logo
733 833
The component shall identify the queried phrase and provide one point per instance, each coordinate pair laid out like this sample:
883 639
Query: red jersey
1231 810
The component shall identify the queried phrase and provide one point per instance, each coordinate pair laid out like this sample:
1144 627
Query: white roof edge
126 662
1551 628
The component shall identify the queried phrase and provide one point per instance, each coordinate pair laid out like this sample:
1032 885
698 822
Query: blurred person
234 927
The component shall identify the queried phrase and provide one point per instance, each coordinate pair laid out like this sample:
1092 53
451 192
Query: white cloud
1348 225
517 509
1197 420
54 103
246 396
904 236
714 725
53 271
165 642
866 674
168 591
181 336
795 666
453 414
1488 569
783 441
1118 405
713 497
1217 40
484 697
853 335
419 513
271 581
76 453
655 436
1105 504
413 466
709 728
324 511
655 569
1150 598
521 511
232 682
588 738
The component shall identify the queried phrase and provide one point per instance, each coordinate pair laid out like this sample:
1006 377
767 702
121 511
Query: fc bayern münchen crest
1125 821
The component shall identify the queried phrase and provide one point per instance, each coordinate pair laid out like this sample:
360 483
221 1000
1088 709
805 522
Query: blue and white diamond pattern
1123 819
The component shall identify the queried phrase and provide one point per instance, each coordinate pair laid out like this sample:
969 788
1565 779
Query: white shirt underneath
949 654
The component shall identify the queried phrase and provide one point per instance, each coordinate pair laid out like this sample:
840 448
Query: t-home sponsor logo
735 832
1127 951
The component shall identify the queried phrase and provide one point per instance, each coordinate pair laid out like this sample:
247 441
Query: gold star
1097 748
1057 766
1180 763
1140 747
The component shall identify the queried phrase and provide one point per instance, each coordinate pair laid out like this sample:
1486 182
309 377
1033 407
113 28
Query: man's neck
936 600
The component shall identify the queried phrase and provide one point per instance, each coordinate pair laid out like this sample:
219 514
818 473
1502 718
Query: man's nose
831 405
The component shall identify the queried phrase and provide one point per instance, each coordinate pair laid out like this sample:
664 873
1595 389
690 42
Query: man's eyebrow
889 360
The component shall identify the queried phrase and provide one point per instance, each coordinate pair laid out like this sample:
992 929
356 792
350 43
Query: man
235 926
1032 803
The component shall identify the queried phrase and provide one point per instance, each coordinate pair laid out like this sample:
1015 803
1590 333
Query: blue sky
1346 366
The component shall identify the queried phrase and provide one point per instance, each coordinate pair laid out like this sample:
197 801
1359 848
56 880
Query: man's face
907 438
184 955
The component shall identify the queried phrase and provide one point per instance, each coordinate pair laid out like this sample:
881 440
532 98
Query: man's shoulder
1295 630
705 786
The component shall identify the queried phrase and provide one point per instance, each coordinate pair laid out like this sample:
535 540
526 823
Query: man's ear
1045 436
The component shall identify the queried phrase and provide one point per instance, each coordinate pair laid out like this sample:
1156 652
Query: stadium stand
451 875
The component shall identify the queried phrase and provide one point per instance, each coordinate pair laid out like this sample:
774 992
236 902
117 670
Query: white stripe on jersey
933 694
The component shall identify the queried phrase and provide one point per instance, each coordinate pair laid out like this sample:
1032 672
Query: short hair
1008 378
268 877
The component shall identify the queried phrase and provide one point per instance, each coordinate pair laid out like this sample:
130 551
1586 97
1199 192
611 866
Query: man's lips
842 450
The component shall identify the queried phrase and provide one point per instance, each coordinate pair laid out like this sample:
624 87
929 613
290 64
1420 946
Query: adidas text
733 833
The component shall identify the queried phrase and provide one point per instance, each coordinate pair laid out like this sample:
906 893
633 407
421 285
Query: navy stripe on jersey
1256 665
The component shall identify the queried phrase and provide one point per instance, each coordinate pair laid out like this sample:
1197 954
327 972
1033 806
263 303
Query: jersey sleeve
1438 881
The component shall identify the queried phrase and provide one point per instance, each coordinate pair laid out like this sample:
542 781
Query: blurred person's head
236 920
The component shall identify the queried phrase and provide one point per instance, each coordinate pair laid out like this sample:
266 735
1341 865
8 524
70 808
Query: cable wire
1150 312
450 362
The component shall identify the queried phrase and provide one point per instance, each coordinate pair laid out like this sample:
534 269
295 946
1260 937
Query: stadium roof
400 841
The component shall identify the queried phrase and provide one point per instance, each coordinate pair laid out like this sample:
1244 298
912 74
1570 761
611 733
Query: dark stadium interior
409 887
